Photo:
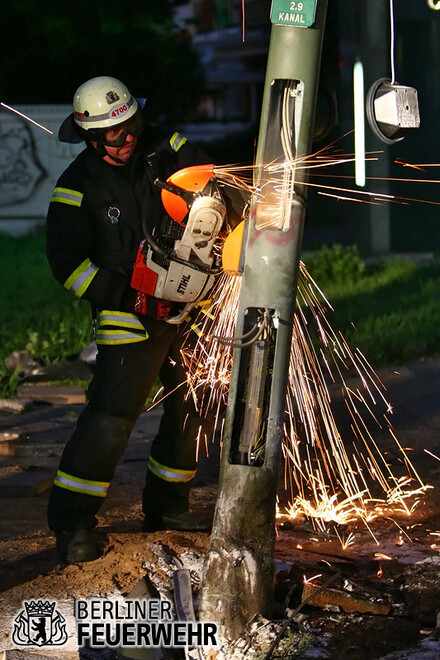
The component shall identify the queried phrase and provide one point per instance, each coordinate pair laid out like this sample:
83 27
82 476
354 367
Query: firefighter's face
120 141
121 155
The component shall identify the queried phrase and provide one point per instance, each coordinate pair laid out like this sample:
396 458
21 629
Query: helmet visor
115 136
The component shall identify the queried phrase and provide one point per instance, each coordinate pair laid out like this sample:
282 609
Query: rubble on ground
383 605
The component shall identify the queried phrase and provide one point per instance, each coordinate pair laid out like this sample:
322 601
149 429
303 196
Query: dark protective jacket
94 228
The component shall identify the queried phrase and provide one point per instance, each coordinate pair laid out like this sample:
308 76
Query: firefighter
94 228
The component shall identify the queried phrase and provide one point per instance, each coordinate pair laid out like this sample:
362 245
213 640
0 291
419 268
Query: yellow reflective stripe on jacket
85 486
177 140
196 328
170 474
67 196
104 336
205 307
119 319
81 278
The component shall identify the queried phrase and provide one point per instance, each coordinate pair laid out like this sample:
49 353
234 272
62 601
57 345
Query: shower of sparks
283 174
309 580
380 555
208 363
415 167
345 541
21 114
431 454
243 21
331 480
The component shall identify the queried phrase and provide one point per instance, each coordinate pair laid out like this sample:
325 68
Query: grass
394 306
37 314
390 311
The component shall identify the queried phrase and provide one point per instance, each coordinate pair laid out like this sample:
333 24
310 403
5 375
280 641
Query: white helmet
99 103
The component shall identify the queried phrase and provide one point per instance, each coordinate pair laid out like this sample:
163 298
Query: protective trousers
123 378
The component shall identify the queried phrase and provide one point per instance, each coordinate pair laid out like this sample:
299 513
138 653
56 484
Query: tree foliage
49 48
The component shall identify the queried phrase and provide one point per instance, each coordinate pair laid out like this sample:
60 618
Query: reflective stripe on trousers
85 486
170 474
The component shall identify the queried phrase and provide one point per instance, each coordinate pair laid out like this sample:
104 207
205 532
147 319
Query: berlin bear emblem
39 624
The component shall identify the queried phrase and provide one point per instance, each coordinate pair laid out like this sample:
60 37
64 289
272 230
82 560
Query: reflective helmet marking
118 112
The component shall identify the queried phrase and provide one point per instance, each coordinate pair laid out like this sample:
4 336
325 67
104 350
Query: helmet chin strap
102 152
119 161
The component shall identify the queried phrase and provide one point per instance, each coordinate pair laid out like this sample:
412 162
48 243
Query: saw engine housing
177 263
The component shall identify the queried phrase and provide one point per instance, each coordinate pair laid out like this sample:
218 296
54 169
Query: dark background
203 63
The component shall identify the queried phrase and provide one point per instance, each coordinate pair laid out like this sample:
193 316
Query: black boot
77 546
188 521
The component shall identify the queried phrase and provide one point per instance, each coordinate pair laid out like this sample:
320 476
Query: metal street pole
239 570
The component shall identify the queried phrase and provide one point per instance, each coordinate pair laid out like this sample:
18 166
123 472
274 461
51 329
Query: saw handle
187 195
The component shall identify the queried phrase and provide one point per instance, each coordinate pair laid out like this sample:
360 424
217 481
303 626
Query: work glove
154 308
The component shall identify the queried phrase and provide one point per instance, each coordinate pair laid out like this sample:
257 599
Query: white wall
31 161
